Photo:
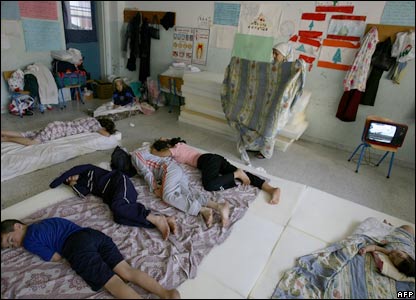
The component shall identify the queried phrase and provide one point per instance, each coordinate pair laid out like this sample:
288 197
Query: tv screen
386 133
383 133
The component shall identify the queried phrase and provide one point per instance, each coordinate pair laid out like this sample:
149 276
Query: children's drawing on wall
312 25
348 28
260 19
335 6
200 46
337 54
305 48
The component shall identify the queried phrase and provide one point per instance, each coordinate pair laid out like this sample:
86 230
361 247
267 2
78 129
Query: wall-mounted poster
183 40
200 46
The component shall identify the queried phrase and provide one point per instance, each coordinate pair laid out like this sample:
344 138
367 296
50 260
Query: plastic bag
404 46
21 105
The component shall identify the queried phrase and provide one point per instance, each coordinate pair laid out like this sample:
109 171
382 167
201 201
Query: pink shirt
185 154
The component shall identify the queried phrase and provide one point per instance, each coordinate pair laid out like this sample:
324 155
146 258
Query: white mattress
107 109
263 244
17 159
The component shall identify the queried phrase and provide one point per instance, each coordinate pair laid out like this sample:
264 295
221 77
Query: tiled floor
315 165
322 201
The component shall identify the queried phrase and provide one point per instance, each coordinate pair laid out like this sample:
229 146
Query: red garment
348 106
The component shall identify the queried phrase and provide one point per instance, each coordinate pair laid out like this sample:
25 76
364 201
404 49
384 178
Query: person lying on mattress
90 253
60 129
217 173
118 192
400 259
167 180
122 93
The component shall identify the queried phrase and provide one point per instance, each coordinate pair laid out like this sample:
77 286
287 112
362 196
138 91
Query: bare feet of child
224 210
172 224
207 215
275 196
161 224
172 294
240 174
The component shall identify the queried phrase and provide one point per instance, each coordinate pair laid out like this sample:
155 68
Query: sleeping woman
60 129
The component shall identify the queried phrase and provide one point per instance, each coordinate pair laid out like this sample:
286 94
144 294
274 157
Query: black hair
8 225
160 145
407 266
107 124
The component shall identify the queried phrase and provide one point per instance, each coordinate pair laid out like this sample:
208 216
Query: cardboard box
104 89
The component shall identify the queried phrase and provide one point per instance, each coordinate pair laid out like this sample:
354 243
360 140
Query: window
80 17
79 21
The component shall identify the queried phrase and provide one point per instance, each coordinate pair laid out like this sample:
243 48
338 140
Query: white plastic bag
404 46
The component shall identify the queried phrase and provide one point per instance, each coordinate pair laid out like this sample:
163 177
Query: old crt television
385 133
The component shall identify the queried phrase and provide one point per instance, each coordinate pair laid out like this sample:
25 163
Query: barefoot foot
207 215
172 224
161 224
275 196
172 294
224 210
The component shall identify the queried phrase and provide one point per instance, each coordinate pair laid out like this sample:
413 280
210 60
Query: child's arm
103 132
372 248
139 162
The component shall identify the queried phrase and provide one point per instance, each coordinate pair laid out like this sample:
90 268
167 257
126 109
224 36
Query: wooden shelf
385 31
131 13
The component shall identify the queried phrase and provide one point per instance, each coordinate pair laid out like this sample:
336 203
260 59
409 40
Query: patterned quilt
171 262
340 272
257 97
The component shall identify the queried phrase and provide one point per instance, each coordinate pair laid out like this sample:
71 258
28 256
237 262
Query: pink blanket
171 262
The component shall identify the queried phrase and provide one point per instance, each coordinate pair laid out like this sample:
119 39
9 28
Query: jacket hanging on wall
132 41
355 79
145 39
380 61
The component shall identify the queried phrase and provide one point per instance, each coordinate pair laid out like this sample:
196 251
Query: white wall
396 102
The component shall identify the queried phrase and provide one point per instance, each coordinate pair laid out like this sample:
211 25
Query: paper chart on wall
260 19
183 39
201 39
222 36
190 45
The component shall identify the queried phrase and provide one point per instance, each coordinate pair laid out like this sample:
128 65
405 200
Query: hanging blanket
340 272
257 98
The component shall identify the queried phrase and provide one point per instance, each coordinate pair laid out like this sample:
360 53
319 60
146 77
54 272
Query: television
385 133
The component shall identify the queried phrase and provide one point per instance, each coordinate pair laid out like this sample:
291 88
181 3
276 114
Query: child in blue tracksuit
118 192
90 253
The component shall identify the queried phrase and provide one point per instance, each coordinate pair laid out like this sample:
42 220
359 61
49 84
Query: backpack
21 104
121 160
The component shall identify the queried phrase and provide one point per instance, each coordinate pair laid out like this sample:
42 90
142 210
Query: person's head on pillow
403 262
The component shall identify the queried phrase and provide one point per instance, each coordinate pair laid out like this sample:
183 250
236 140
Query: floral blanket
171 262
340 272
257 97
